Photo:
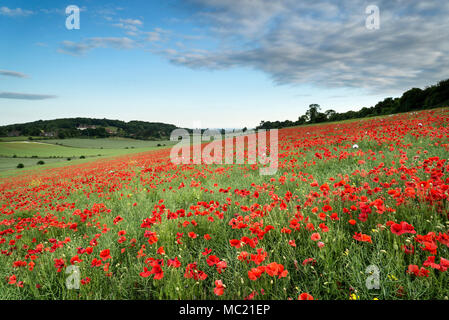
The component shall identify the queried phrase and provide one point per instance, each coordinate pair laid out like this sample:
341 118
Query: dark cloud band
12 74
25 96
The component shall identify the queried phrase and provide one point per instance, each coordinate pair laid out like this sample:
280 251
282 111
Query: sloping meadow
356 210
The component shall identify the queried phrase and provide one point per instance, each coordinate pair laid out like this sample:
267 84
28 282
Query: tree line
89 128
414 99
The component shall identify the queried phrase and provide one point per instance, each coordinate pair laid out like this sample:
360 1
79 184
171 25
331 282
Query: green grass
19 138
11 163
20 150
108 143
44 150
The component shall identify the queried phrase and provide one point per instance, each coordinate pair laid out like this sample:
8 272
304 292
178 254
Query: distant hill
88 127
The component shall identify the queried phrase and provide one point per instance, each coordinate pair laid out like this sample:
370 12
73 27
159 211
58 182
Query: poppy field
356 210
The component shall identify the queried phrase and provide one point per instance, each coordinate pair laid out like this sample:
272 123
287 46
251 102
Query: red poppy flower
315 236
206 251
255 273
175 263
362 237
235 243
274 269
243 256
59 264
96 262
323 227
212 260
414 269
444 264
19 263
219 288
192 235
192 271
221 266
408 249
145 273
309 261
117 219
157 271
12 279
401 228
152 236
75 259
305 296
105 254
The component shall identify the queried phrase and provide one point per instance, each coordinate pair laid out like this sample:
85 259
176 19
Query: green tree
312 113
411 100
330 113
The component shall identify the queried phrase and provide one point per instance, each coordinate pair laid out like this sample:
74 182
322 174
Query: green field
108 143
18 138
11 163
15 150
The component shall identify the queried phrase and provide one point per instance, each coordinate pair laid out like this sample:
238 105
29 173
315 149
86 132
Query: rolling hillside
88 127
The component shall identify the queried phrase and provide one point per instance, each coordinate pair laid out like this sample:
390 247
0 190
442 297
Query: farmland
15 150
351 201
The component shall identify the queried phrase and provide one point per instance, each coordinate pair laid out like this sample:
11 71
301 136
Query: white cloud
132 25
326 43
80 48
157 34
18 12
135 22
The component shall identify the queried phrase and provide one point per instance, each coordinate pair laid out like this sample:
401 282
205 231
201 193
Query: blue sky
221 63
